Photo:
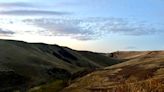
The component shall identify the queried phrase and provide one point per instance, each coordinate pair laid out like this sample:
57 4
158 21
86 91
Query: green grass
99 58
55 86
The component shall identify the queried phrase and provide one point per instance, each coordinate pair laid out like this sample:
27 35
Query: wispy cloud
32 12
91 28
37 5
29 9
15 5
6 32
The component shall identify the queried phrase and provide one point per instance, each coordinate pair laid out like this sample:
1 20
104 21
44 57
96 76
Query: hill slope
141 72
24 65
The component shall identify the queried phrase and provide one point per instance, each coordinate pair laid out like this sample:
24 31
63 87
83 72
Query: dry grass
150 85
146 76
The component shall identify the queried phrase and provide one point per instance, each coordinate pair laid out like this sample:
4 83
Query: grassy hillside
38 67
100 58
25 65
142 72
54 86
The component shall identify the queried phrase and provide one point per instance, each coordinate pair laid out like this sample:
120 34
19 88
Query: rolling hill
39 67
26 65
141 71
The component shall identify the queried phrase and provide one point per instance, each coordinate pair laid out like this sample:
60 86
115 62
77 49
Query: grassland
142 72
39 64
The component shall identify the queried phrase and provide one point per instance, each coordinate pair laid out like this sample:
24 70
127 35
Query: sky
94 25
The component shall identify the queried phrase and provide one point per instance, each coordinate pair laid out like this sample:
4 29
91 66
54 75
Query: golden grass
150 85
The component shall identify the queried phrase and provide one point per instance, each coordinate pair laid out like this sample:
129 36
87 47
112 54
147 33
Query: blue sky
96 25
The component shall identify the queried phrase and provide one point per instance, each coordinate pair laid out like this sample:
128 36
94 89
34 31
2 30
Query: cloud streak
32 12
29 9
6 32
